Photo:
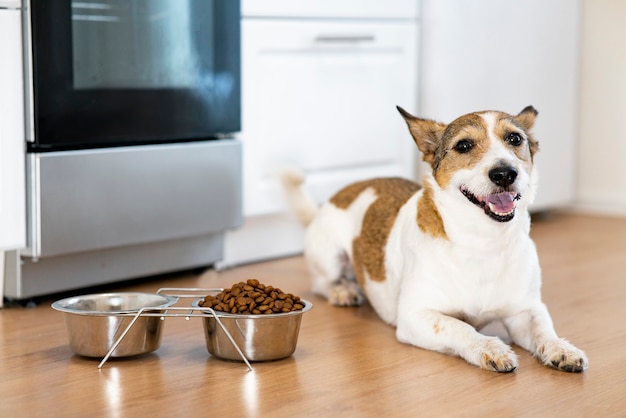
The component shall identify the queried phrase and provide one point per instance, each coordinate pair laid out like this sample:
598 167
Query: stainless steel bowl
94 322
260 337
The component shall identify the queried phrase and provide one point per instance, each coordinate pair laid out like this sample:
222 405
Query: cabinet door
321 95
12 199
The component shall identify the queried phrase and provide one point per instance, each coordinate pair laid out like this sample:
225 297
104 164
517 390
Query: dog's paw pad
345 293
498 357
562 355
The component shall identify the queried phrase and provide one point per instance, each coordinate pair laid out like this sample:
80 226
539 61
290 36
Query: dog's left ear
526 119
426 134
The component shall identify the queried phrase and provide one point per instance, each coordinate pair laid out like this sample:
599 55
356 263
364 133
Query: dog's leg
333 279
533 330
435 331
345 292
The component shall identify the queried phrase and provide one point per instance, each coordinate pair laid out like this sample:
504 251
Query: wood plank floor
347 362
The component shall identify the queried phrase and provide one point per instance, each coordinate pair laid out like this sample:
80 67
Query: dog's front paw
497 356
562 355
345 293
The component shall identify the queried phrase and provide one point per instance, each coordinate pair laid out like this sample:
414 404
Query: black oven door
127 72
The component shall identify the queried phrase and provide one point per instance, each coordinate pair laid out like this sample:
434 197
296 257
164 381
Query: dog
441 260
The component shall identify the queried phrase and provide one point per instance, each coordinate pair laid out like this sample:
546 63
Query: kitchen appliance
132 168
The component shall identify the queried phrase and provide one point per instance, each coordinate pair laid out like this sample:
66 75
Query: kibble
253 298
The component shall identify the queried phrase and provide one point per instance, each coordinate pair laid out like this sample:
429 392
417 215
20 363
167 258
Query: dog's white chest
477 278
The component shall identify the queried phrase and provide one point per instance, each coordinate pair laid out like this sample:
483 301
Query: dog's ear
426 134
526 119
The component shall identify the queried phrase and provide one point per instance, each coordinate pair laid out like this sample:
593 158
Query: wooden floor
347 362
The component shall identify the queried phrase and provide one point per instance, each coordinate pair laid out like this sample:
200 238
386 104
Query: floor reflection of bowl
94 322
260 337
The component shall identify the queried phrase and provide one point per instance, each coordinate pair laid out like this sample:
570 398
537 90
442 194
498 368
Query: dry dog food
253 297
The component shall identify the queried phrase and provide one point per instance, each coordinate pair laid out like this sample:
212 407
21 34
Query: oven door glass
126 72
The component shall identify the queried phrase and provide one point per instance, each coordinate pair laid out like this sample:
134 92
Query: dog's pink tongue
502 202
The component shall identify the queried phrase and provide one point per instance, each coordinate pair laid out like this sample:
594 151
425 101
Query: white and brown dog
441 261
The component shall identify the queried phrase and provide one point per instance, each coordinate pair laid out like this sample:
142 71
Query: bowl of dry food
94 322
263 320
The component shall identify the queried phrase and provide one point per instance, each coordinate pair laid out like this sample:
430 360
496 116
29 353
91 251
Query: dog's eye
463 146
514 139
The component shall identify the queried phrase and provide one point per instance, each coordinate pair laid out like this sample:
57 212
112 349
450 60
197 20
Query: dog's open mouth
498 206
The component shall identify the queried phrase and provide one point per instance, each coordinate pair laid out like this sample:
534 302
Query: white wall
601 178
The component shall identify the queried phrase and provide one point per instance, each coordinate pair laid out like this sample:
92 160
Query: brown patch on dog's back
344 197
428 218
368 249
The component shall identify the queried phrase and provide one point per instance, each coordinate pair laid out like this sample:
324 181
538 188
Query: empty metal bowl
94 322
259 337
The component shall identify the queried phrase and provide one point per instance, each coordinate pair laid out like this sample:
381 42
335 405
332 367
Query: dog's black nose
503 176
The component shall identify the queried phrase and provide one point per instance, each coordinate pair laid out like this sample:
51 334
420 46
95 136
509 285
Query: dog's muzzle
498 206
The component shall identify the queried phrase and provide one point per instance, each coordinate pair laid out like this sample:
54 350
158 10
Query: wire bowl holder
175 312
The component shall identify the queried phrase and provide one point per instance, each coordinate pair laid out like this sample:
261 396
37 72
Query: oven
133 167
124 72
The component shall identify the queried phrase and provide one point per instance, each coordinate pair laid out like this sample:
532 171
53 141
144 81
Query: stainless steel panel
95 199
26 278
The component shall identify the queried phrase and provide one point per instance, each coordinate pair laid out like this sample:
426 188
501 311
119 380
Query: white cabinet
320 94
12 195
505 55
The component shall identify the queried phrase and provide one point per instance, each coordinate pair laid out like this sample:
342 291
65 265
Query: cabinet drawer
321 95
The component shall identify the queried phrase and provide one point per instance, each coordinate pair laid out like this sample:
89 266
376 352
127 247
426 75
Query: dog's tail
299 200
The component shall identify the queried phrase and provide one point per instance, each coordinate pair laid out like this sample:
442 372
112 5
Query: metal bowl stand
175 312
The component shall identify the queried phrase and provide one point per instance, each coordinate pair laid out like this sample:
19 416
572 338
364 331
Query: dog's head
485 156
